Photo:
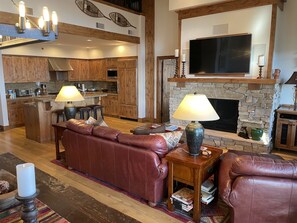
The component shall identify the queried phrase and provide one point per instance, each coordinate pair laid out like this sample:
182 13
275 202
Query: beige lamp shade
69 93
195 107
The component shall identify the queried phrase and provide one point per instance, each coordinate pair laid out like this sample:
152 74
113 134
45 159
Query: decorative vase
257 133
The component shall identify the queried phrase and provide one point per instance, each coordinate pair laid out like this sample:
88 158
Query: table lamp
293 80
195 107
69 94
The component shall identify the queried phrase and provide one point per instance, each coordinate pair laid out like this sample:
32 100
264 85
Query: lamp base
70 111
195 134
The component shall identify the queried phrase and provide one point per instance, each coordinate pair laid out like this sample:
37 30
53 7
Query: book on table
207 186
184 195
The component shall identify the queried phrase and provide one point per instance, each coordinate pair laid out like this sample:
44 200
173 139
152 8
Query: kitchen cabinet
111 63
80 70
127 88
286 134
15 108
21 69
97 69
110 105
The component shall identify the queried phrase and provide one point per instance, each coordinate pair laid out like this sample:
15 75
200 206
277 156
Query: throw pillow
92 121
171 138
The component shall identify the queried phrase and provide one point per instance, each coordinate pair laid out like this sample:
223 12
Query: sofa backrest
79 126
106 132
154 143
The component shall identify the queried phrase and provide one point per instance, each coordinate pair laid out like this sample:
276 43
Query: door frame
160 59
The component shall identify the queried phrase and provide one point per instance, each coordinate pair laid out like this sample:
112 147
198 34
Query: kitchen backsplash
55 86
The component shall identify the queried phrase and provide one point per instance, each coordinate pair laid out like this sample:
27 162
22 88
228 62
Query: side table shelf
192 171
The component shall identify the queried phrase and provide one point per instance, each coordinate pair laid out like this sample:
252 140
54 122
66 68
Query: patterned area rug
45 214
215 212
67 201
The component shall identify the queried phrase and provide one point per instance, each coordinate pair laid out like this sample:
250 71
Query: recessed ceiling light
89 40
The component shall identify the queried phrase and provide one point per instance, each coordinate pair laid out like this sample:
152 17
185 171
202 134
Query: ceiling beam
225 7
11 18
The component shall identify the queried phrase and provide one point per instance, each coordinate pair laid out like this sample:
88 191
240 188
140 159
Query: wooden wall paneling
271 41
223 7
11 18
149 12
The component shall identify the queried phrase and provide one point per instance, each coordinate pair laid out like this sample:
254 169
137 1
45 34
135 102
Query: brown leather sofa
134 163
259 188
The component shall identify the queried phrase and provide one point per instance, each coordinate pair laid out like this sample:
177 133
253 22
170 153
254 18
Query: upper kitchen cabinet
97 69
127 88
20 69
111 63
80 70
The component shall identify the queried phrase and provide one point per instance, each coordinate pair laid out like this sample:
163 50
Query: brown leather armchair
259 188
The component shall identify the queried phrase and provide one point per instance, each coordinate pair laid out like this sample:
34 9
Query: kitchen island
39 114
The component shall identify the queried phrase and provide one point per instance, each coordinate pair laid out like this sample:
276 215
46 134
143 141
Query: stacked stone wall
256 109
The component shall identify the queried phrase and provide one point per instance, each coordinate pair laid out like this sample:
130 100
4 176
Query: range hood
59 64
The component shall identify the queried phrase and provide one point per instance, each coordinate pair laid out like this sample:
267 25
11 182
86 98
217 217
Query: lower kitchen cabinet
110 105
286 128
15 108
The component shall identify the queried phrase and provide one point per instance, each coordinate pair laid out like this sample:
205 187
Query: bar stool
84 111
95 109
59 113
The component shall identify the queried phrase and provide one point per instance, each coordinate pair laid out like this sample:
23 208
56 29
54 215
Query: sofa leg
152 204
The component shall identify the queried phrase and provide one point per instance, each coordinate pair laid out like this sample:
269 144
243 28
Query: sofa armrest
253 165
225 182
163 169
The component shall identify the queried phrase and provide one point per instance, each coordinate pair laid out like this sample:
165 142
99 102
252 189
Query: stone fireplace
256 107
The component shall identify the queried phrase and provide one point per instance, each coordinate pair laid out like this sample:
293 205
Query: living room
283 58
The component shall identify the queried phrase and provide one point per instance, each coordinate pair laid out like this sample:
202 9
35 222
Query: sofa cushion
171 138
154 143
106 132
79 126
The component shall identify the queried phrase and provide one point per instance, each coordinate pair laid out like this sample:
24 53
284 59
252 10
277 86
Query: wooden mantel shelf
224 80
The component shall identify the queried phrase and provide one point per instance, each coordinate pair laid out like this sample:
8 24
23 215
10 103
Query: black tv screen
228 54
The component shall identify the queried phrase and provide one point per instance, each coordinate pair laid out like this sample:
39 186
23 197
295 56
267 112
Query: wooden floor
15 142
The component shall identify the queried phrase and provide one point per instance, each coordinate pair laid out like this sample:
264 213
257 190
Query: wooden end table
191 170
59 129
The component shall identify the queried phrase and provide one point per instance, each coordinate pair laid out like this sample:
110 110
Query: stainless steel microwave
112 73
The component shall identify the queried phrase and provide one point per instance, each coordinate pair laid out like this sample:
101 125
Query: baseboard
4 128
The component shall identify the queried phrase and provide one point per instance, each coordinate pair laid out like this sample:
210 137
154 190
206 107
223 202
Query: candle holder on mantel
29 210
183 69
176 68
260 72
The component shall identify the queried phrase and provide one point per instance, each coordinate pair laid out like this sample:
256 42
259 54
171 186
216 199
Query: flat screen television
217 55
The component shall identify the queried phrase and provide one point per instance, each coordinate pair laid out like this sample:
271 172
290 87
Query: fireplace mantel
224 80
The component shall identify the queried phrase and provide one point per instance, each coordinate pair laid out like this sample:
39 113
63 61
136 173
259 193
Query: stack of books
183 199
207 191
